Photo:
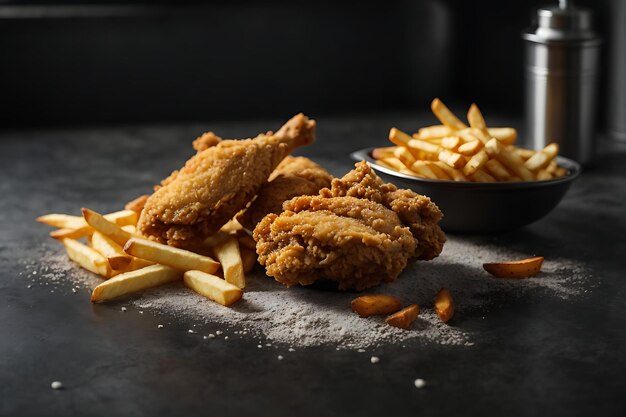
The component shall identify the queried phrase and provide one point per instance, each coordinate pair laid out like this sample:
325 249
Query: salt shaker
561 76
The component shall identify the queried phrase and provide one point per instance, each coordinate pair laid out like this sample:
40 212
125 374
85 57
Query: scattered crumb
159 326
191 331
419 383
123 309
280 357
56 385
374 359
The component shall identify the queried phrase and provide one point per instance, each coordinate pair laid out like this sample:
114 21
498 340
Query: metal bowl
471 207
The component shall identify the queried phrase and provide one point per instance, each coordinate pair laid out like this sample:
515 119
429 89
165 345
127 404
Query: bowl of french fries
476 174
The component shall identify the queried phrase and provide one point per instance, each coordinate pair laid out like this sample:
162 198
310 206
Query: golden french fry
475 163
445 116
248 258
523 153
213 287
401 139
393 163
87 257
423 145
75 234
130 229
509 159
433 132
135 264
439 173
482 176
542 158
543 175
421 168
451 142
375 304
506 135
560 172
137 204
454 173
470 148
444 305
404 318
552 167
453 159
177 258
110 250
106 227
476 119
134 281
64 221
515 269
232 226
404 155
381 153
227 253
471 134
498 170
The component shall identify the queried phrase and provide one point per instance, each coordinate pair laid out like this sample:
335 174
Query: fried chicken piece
356 242
217 183
294 176
416 211
205 141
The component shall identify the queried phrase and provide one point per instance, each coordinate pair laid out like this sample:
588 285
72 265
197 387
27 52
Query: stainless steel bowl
471 207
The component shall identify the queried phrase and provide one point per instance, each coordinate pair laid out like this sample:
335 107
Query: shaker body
561 82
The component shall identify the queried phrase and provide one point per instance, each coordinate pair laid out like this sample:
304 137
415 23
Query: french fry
382 153
476 119
524 153
401 139
475 163
471 134
455 174
75 234
451 142
135 264
137 204
375 304
482 176
87 257
542 158
404 318
470 148
181 259
106 227
422 169
227 253
498 170
213 287
134 281
423 145
393 163
515 269
431 132
404 155
232 226
445 116
130 229
560 172
506 135
248 258
437 170
110 250
509 159
444 305
543 175
64 221
453 159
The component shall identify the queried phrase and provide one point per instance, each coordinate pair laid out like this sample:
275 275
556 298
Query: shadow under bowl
471 207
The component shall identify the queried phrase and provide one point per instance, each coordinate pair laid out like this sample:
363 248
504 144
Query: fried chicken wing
217 183
294 176
416 211
356 242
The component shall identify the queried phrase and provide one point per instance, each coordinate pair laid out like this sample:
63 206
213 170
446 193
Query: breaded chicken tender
356 242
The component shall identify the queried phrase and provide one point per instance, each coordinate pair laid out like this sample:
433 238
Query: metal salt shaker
561 75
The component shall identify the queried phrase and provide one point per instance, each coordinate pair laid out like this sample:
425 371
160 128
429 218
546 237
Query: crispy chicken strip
356 242
294 176
217 183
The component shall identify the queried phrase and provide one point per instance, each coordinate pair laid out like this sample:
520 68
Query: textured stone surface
535 354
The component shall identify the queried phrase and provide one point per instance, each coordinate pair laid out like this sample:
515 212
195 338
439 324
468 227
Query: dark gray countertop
534 354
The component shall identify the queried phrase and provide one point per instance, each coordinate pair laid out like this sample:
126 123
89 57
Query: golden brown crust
356 242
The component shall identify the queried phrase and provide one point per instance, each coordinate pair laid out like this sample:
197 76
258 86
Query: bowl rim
573 168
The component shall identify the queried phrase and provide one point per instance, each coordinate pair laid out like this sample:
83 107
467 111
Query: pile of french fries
130 263
457 152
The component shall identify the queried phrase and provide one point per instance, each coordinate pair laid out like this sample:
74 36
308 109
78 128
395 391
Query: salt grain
280 357
159 326
56 385
419 383
374 359
123 309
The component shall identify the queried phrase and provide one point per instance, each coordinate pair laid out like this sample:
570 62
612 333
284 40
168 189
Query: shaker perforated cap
563 23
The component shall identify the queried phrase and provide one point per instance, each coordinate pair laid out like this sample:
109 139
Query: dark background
145 62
